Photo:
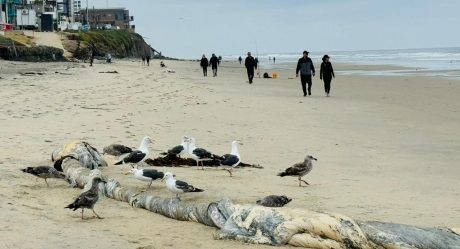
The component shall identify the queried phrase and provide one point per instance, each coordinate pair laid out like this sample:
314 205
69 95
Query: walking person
307 69
143 60
326 74
274 60
240 59
214 62
91 56
204 64
147 59
250 64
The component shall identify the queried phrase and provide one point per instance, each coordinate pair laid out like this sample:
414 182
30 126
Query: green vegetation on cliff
119 43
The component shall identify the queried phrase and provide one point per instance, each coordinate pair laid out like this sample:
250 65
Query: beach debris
139 155
180 149
233 159
300 169
86 154
274 201
287 226
147 175
116 150
110 71
173 161
178 187
88 199
45 172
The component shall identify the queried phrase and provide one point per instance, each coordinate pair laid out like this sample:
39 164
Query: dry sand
387 147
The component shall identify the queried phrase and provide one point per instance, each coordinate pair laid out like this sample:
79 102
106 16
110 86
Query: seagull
45 172
178 187
147 175
233 159
300 169
139 155
198 154
88 199
116 150
179 150
274 201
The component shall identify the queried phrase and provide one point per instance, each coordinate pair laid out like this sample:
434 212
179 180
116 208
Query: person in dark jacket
250 65
240 59
91 56
326 74
204 64
214 62
147 59
307 69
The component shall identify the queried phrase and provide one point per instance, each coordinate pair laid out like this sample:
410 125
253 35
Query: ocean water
429 61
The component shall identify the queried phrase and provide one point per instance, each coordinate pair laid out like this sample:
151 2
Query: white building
76 7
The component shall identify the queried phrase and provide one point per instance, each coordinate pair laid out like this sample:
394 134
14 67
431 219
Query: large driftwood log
256 224
86 154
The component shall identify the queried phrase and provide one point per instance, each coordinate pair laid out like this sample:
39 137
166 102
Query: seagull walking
147 175
178 187
233 159
139 155
198 154
45 172
300 169
87 199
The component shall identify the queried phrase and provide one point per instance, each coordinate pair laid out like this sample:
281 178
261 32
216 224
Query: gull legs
300 181
82 210
99 217
230 172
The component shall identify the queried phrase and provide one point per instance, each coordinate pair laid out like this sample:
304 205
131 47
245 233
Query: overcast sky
187 29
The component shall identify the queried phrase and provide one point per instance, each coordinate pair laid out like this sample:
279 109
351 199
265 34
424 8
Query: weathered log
86 154
256 224
174 161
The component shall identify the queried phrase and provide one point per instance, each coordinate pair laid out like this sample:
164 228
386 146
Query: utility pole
1 11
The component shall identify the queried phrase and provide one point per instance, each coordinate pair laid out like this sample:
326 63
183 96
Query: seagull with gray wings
178 187
300 169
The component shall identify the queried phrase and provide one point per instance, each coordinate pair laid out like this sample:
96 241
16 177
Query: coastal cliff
119 43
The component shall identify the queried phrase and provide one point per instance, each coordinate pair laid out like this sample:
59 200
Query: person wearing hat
307 69
326 74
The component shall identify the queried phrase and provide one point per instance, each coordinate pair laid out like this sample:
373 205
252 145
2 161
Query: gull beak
314 159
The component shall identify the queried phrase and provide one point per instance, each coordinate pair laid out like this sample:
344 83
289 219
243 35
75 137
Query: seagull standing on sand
300 169
233 159
45 172
179 150
88 199
198 154
147 175
178 187
139 155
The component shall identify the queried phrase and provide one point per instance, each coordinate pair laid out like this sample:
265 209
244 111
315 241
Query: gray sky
187 29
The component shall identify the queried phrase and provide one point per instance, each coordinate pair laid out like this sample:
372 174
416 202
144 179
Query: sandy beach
387 147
